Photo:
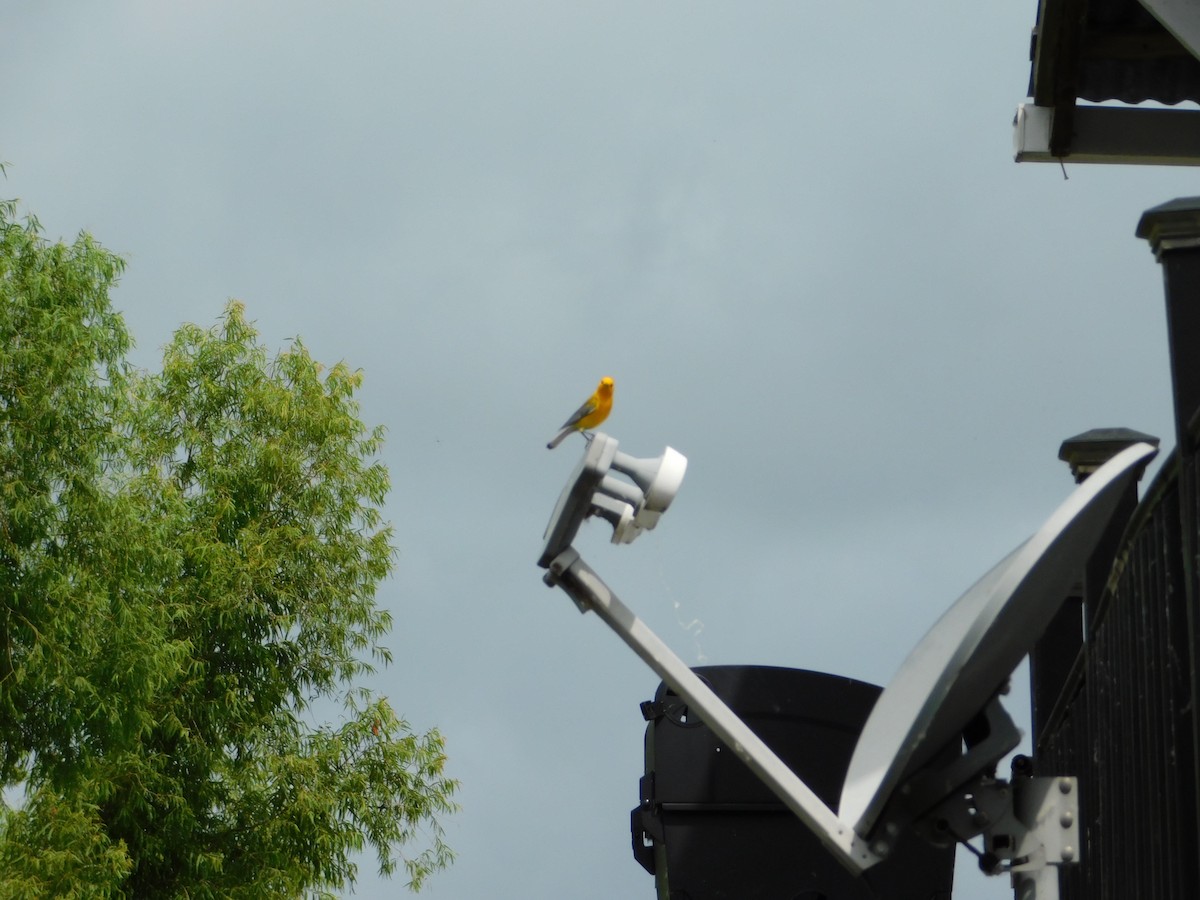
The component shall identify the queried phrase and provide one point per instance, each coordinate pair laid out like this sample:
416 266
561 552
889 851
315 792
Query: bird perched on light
595 410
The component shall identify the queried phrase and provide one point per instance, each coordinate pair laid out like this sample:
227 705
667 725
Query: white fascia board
1114 135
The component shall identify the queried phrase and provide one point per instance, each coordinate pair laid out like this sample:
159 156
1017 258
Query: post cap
1087 452
1172 225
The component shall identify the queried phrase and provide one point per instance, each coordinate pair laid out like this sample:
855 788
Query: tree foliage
188 567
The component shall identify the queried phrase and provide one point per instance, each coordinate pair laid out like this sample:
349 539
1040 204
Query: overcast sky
792 232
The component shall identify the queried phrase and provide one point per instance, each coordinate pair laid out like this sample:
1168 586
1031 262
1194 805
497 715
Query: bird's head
606 385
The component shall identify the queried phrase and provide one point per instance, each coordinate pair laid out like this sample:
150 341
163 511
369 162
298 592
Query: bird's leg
588 436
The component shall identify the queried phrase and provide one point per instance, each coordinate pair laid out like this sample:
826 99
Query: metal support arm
585 587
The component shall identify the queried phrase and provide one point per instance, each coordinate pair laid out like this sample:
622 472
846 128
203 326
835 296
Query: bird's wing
587 409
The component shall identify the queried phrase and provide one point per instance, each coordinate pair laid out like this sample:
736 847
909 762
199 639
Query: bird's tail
560 437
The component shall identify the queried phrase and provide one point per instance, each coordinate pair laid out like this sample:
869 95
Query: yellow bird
594 411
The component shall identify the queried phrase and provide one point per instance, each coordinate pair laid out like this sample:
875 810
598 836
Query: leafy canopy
188 568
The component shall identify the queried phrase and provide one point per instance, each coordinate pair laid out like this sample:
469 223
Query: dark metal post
1173 231
1085 453
1058 652
1058 662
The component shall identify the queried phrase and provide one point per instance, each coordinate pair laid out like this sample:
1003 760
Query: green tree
188 567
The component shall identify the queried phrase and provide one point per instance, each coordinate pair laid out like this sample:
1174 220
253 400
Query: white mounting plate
974 647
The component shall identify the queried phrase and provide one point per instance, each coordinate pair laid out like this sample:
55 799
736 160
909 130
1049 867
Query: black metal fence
1123 720
1115 680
